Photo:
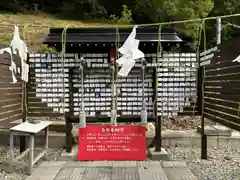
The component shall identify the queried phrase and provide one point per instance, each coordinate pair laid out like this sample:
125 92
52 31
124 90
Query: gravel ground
222 164
19 174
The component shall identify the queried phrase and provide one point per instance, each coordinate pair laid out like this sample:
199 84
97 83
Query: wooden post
69 137
68 123
46 138
158 134
31 154
24 108
71 90
24 115
158 131
11 144
203 135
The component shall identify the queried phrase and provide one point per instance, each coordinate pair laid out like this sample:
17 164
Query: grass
34 36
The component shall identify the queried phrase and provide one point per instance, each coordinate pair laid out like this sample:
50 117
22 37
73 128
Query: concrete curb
169 138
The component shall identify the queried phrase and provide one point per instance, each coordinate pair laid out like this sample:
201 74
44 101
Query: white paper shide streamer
13 67
130 53
237 59
19 48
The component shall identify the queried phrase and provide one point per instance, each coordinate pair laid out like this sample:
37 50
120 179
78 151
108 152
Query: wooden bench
30 130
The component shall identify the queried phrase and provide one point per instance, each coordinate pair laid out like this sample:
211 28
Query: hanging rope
64 38
230 24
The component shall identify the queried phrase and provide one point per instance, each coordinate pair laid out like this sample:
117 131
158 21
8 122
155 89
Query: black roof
108 35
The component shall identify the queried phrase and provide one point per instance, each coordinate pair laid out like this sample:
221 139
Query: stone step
177 170
113 170
215 130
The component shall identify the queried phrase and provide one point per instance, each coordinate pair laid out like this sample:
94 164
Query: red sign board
105 142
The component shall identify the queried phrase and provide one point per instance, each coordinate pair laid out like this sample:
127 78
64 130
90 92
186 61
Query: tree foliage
137 11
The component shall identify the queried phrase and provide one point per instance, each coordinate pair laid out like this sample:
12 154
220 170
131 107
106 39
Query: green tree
169 10
224 7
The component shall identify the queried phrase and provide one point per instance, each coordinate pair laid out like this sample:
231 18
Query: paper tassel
19 48
237 59
130 53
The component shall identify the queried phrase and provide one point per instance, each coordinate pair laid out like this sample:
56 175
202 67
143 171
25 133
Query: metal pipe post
113 111
144 114
218 30
82 114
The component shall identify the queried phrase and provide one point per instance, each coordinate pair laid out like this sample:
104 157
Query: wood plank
230 76
6 97
227 51
223 109
8 79
10 107
22 155
10 90
223 90
10 85
30 127
10 101
10 113
8 119
226 97
37 104
43 114
41 109
5 59
222 102
5 72
39 156
34 100
222 64
222 121
225 70
223 115
233 84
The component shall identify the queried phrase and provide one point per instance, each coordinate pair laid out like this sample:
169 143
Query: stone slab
177 171
157 156
43 173
215 130
223 129
208 130
112 170
153 171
